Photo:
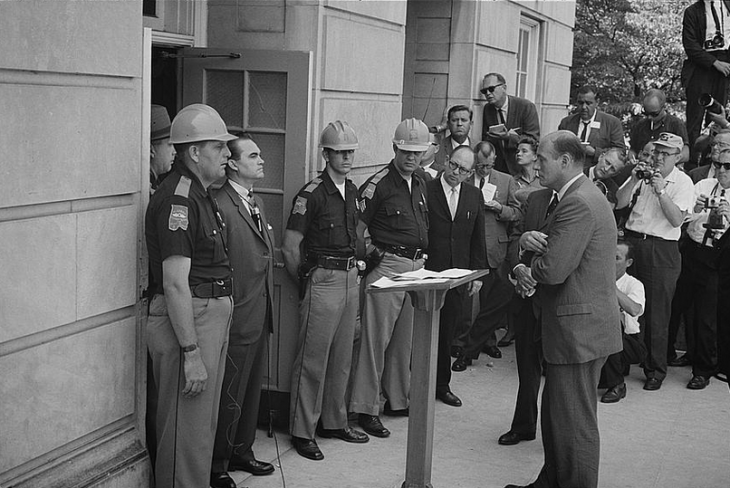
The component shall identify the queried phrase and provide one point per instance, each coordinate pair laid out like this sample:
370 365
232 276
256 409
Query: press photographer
659 197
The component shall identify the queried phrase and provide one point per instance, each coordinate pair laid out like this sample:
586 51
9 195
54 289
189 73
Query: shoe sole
343 438
254 473
515 442
382 435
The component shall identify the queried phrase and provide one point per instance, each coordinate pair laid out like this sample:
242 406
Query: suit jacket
445 152
496 225
251 254
610 134
694 28
458 243
522 116
700 173
577 278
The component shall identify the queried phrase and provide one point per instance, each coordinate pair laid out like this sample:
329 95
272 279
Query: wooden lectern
428 298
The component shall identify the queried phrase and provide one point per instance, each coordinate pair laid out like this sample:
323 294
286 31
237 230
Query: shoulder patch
183 187
300 206
178 218
373 183
313 185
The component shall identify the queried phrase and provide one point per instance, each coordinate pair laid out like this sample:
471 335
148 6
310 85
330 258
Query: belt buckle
350 263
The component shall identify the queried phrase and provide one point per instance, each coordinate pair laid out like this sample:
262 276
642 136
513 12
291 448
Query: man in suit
597 130
707 66
456 240
505 120
525 321
459 119
251 249
500 208
574 268
319 249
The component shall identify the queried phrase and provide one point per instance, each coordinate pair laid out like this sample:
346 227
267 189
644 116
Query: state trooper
319 248
191 306
393 208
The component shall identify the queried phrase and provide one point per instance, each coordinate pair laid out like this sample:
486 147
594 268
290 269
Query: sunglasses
725 166
490 89
454 166
651 114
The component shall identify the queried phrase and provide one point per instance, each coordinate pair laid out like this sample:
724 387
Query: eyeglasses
490 89
725 166
454 166
663 154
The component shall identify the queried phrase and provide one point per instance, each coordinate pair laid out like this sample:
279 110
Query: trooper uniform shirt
395 215
328 226
183 220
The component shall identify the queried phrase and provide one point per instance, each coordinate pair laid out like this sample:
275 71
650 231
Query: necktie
481 183
255 212
552 205
584 132
453 202
500 112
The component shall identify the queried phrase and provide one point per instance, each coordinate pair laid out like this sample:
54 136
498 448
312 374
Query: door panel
267 94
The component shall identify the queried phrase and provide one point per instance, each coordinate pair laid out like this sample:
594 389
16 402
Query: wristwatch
190 348
662 192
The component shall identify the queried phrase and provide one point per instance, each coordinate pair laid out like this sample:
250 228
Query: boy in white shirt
631 300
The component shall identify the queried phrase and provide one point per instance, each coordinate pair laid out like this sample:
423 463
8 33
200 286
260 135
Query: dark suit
453 244
700 173
609 134
521 116
251 255
526 316
496 293
698 74
579 316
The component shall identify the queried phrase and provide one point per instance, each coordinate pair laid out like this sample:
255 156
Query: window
149 8
527 48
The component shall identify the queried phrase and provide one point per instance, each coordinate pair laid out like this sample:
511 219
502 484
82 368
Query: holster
372 260
305 270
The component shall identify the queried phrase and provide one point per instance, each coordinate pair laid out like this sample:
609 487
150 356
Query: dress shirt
565 187
695 229
724 16
447 191
244 193
455 144
581 124
647 216
634 289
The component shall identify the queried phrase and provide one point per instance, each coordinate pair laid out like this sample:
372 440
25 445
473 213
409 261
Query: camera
709 103
645 174
717 42
711 203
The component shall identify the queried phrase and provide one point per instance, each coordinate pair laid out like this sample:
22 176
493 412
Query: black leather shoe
511 438
307 448
698 383
221 480
461 363
448 398
256 468
652 384
372 425
614 394
456 351
681 361
493 351
347 434
403 412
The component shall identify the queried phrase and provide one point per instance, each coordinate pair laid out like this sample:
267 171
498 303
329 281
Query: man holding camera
705 36
697 284
659 198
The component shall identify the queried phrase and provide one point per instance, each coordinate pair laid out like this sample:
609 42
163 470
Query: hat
667 139
412 135
159 123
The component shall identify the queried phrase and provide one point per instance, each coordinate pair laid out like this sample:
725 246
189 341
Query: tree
625 47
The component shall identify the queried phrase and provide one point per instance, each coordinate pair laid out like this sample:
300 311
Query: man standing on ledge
323 225
574 268
190 311
505 121
394 208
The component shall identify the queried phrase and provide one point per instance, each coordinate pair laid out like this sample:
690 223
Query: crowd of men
596 253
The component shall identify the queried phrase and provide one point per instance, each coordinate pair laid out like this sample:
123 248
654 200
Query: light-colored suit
580 327
609 134
251 254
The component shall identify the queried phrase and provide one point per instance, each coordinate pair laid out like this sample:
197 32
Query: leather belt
213 289
334 262
639 235
413 253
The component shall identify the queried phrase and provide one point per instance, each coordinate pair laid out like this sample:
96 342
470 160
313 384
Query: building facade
76 81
